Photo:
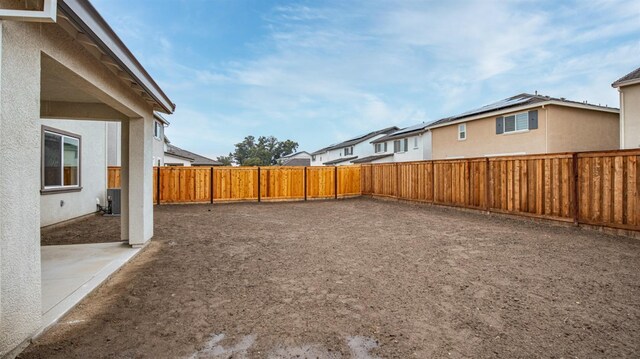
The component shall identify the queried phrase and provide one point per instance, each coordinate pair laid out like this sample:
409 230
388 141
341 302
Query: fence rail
596 188
227 184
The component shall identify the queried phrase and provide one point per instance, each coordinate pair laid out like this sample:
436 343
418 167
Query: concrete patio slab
70 272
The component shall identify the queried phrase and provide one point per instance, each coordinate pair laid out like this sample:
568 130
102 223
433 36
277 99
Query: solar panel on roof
410 128
500 104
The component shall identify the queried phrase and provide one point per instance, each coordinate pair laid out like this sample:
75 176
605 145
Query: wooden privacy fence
597 188
225 184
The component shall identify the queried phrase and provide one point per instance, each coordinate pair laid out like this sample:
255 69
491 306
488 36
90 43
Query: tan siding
574 129
631 112
482 139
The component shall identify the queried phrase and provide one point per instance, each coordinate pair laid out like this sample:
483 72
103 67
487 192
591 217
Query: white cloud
324 72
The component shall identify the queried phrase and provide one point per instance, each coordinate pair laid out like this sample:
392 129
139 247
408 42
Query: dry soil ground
359 278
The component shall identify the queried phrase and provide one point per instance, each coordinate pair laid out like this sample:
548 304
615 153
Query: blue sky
318 72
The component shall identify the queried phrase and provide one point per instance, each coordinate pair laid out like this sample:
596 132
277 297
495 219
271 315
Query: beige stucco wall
93 174
630 102
21 47
560 129
114 150
482 139
575 129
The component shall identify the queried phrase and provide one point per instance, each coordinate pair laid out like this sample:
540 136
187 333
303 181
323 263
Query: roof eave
619 84
87 18
403 135
526 107
179 156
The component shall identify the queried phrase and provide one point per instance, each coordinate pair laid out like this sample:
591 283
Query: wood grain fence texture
597 188
194 184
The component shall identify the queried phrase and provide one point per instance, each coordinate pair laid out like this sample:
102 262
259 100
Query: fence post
487 184
576 195
397 181
305 183
211 183
158 184
335 182
259 184
433 181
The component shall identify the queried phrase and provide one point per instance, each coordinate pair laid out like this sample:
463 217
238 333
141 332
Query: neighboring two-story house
345 152
411 143
526 124
629 88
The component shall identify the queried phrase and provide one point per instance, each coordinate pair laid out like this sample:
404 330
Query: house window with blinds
348 151
462 131
523 121
381 147
400 145
60 160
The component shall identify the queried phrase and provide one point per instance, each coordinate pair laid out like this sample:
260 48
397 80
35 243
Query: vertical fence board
602 187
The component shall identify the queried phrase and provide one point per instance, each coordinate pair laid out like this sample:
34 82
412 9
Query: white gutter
48 13
527 107
626 83
91 23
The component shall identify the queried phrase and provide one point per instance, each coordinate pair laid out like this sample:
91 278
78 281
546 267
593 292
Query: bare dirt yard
93 229
359 278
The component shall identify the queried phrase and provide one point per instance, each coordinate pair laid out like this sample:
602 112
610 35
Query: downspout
546 129
622 145
106 160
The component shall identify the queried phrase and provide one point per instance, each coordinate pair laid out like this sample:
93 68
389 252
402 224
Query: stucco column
140 180
20 278
124 180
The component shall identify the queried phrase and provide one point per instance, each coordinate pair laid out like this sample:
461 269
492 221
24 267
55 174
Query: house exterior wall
114 150
414 153
22 46
362 149
560 129
158 147
575 129
93 174
174 161
19 187
482 139
630 114
114 137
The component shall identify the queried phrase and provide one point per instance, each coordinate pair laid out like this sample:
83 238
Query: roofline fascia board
87 18
48 14
626 83
406 134
526 107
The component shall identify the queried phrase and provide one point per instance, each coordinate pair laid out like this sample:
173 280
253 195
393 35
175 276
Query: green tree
225 160
265 151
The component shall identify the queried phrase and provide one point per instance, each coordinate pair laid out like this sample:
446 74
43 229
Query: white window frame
157 130
415 143
349 150
383 147
403 145
60 188
462 132
515 123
